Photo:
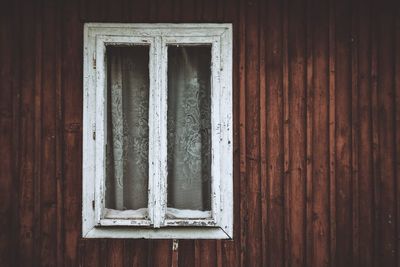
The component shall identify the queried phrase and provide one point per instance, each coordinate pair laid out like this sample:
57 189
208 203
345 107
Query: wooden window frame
158 36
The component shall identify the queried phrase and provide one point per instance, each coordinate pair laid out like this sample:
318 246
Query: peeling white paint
157 221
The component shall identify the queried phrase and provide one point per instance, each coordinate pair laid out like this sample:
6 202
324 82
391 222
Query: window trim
158 36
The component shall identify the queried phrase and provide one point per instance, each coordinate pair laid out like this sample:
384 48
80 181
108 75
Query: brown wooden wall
317 133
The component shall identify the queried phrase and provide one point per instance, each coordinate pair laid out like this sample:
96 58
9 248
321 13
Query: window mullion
163 87
160 144
153 162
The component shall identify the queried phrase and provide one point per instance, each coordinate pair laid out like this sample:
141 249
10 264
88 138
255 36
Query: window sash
214 41
101 125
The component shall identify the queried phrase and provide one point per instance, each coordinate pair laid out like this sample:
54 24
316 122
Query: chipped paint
219 222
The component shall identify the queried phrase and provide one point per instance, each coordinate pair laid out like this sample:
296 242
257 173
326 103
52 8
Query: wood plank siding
316 133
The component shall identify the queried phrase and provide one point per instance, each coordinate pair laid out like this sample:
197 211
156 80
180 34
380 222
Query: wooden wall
317 133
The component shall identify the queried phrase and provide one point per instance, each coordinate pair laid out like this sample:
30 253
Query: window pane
127 128
189 127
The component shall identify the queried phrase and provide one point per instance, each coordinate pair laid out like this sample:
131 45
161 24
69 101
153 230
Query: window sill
160 233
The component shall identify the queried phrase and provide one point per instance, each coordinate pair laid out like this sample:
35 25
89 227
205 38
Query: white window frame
96 37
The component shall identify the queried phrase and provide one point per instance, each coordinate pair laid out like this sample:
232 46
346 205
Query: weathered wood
332 129
386 134
9 126
320 136
366 214
397 123
275 129
48 111
38 129
343 133
374 138
72 80
241 57
309 133
316 124
263 132
158 36
252 157
26 140
297 131
355 137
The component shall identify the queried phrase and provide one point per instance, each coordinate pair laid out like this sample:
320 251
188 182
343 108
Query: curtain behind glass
189 127
127 127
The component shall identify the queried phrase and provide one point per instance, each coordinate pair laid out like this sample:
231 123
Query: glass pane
127 130
189 128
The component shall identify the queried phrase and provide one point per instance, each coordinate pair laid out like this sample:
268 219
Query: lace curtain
189 128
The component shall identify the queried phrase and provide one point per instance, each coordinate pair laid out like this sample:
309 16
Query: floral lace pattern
189 127
128 132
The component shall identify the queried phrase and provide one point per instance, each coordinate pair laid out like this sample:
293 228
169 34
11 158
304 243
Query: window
157 131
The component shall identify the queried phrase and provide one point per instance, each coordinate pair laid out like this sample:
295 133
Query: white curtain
189 127
128 132
189 139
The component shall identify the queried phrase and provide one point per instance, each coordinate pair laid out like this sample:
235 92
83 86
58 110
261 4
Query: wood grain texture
366 237
316 133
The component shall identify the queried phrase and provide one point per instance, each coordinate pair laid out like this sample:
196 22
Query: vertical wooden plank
375 139
16 109
115 252
139 10
207 253
332 130
187 253
275 146
263 137
309 132
176 10
397 123
165 10
38 129
242 131
9 104
386 134
286 183
136 252
343 127
48 190
297 131
365 136
26 119
72 103
59 136
91 253
220 10
355 133
114 10
89 10
188 11
210 10
320 140
253 239
103 252
162 252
